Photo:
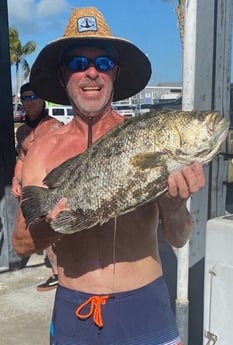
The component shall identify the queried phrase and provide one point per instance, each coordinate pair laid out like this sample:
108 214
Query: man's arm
16 187
176 221
34 237
38 235
17 178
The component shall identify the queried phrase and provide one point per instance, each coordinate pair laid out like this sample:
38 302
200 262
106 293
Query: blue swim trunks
139 317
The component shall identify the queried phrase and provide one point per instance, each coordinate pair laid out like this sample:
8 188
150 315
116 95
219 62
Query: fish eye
173 138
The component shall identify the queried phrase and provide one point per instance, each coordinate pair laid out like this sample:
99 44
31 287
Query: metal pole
182 302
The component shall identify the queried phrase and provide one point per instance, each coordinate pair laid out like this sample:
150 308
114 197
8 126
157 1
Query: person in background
111 288
37 124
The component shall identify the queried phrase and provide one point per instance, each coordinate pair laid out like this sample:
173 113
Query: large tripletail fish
126 168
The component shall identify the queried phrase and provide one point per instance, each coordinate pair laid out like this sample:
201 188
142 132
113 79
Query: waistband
72 295
91 304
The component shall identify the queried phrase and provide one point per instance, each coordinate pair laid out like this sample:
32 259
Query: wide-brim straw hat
88 26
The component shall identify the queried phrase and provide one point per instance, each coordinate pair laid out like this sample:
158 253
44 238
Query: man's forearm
18 170
176 220
42 234
35 237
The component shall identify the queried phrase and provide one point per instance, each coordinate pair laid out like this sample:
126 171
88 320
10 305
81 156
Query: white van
63 113
125 110
143 108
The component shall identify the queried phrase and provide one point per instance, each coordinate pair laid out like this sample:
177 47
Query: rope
95 309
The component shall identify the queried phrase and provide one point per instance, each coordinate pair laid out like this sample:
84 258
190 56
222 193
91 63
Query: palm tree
179 9
18 52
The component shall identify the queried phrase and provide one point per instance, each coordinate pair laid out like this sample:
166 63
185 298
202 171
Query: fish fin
57 176
34 202
144 161
68 221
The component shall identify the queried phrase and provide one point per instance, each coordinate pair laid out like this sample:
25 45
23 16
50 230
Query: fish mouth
218 126
218 129
213 122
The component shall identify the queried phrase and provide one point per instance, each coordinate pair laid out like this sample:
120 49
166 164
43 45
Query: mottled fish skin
125 168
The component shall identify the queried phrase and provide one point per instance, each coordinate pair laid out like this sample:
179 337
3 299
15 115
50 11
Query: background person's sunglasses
81 63
29 98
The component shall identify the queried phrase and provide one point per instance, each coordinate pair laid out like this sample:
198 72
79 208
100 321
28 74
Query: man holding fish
111 287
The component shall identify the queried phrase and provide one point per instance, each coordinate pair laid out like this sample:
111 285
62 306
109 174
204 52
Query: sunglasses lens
29 98
81 63
104 63
77 63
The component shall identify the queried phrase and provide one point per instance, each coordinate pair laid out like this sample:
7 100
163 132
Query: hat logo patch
86 24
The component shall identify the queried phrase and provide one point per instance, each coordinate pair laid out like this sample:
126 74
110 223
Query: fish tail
35 202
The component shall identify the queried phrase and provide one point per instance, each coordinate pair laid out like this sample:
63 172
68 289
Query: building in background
155 94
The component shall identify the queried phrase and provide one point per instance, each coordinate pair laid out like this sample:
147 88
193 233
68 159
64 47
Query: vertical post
7 147
206 86
182 301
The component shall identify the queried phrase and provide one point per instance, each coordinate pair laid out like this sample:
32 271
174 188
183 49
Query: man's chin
95 110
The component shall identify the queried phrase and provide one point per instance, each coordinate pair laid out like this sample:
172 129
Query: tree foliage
179 9
18 54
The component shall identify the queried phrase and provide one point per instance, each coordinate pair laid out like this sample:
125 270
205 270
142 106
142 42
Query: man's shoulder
20 128
47 125
21 132
44 143
47 151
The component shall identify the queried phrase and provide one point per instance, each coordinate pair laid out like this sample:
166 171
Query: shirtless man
110 291
37 123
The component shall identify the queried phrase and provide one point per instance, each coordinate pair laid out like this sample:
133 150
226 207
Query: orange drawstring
95 309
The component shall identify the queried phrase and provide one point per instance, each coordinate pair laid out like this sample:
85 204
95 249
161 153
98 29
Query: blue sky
150 24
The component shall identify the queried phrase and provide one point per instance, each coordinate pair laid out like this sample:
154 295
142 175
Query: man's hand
176 220
60 206
16 189
189 180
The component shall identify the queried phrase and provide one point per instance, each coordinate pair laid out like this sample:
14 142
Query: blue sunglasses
29 98
81 63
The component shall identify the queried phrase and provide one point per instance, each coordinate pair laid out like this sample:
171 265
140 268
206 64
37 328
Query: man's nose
92 71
